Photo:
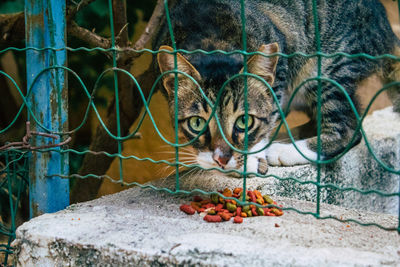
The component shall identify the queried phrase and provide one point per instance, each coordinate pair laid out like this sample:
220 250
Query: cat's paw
262 166
286 154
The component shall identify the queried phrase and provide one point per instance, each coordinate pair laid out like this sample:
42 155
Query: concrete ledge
145 228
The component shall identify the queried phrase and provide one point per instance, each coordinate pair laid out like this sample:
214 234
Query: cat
272 26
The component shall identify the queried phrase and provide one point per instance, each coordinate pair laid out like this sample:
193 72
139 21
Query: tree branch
83 34
130 53
154 22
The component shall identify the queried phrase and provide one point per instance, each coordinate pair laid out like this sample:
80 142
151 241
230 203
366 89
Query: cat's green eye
196 124
240 123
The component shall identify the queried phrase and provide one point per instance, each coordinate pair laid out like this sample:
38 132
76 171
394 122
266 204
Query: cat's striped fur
350 26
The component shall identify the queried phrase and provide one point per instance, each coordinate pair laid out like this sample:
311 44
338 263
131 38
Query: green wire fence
15 156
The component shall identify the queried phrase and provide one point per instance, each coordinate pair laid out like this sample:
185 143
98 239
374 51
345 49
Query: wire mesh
15 168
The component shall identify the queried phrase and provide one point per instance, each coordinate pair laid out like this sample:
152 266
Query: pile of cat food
218 209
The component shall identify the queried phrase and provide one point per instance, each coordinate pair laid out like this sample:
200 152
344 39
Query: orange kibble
243 214
258 194
227 192
205 201
195 205
237 190
225 216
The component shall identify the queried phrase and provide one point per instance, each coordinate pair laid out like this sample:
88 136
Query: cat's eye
196 124
240 123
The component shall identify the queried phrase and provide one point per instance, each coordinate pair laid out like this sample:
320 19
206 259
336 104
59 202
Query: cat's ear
166 63
262 66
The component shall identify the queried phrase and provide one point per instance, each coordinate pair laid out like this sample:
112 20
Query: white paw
286 154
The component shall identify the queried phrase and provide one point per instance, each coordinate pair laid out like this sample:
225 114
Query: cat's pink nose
221 161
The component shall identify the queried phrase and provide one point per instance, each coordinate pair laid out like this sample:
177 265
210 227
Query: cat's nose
221 160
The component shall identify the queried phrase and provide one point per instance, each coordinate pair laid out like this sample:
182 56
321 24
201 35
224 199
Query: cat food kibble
217 209
188 209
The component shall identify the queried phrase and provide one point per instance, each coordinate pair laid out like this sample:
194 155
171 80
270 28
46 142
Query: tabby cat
272 26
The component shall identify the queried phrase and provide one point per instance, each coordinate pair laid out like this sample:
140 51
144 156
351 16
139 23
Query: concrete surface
357 169
142 227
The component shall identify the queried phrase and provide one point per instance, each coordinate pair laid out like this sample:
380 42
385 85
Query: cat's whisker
192 171
174 170
186 162
173 152
180 153
186 149
172 159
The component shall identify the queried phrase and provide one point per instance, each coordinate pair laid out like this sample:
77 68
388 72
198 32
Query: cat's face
211 149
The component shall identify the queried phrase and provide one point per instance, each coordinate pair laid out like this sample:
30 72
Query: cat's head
210 149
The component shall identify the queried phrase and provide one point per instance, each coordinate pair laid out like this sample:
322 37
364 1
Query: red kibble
187 209
219 207
238 210
277 225
201 210
197 198
254 212
212 218
252 196
238 219
207 206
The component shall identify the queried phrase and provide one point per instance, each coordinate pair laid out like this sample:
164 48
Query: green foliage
11 6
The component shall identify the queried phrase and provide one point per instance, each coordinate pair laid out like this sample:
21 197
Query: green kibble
249 214
260 211
267 199
275 211
246 208
211 212
231 207
214 199
241 196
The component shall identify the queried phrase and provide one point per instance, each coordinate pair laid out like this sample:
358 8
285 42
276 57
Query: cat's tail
393 75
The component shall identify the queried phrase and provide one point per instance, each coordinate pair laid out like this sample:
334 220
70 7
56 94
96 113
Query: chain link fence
43 138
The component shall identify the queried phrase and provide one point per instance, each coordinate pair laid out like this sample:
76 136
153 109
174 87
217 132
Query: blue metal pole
45 27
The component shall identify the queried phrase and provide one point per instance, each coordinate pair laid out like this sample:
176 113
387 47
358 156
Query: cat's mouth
234 165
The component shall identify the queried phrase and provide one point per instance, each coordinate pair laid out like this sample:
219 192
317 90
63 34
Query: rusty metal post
45 27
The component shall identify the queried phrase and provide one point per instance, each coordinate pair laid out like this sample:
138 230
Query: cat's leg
338 123
282 152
